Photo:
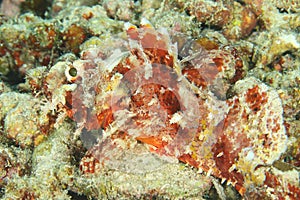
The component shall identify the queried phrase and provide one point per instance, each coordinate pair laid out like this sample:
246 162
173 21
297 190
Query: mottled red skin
168 103
291 191
230 145
156 50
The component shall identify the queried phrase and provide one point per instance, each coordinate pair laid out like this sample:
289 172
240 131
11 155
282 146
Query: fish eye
73 72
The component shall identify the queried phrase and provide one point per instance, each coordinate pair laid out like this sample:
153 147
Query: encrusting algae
199 102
